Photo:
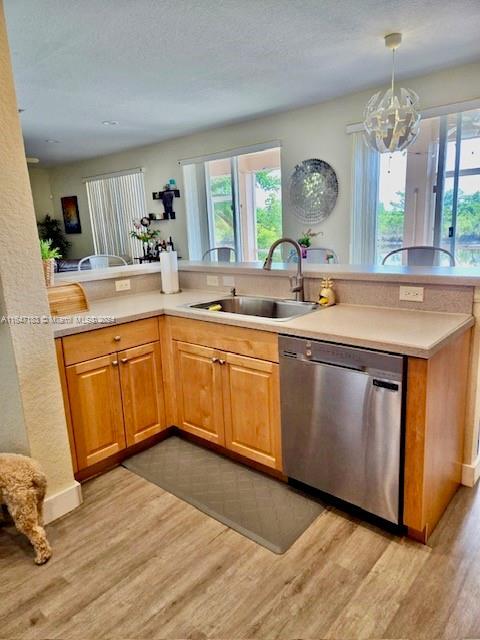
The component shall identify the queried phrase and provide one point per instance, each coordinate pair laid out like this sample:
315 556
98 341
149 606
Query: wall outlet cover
122 285
411 294
212 281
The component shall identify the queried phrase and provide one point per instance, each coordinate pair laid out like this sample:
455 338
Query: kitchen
360 417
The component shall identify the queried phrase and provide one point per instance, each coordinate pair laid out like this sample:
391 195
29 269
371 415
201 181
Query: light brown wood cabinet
230 400
251 396
142 392
115 400
221 384
199 392
435 421
96 409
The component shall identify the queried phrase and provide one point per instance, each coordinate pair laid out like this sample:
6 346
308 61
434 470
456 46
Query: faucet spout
296 282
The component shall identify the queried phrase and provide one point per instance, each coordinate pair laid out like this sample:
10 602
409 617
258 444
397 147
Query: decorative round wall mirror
313 191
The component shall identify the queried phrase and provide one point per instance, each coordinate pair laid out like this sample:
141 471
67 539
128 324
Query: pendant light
391 120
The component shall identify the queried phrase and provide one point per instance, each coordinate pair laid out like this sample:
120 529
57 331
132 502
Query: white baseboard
63 502
471 473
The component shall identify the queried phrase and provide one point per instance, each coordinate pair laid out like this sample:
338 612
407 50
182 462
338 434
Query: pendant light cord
393 75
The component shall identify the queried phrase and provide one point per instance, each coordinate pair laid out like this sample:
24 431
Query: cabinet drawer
101 342
262 345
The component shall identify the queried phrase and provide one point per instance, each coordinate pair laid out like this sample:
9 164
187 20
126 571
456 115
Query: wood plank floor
135 562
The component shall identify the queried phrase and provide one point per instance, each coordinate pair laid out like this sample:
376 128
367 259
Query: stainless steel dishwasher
342 422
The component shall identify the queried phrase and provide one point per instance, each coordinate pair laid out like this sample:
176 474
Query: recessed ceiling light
52 141
110 123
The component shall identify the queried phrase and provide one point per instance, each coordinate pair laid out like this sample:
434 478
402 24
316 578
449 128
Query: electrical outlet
122 285
228 281
212 281
412 294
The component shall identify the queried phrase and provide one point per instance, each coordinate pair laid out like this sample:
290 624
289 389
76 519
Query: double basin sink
259 307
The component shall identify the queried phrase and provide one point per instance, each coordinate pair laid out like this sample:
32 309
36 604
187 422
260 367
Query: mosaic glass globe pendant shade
391 120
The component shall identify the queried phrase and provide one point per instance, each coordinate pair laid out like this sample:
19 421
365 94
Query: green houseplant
49 255
50 229
305 241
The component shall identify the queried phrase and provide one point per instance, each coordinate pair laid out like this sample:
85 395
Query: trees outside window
269 215
244 203
430 194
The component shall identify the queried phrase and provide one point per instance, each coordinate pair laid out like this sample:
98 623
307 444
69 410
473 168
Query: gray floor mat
264 509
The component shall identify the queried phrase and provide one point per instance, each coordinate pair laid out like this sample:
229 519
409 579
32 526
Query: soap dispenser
326 297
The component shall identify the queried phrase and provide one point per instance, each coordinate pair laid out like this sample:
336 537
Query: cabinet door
252 409
142 392
199 391
96 408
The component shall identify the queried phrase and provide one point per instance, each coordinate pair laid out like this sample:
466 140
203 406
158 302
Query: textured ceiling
164 68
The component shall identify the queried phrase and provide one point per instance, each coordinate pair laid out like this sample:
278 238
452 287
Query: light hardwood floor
135 562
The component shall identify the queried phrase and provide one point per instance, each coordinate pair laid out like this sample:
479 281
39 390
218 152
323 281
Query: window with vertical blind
427 195
114 201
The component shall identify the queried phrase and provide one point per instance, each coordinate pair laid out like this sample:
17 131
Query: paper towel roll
169 269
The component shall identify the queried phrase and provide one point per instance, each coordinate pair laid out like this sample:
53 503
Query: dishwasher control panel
340 355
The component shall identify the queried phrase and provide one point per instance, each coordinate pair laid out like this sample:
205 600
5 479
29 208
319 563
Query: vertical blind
365 181
114 202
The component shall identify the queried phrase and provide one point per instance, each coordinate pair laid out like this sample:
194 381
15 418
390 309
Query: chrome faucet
296 282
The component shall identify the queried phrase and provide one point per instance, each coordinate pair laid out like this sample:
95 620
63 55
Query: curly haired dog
22 490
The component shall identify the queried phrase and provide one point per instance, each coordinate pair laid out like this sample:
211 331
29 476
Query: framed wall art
71 215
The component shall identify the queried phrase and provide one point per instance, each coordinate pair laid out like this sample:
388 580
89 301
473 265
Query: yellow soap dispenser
326 296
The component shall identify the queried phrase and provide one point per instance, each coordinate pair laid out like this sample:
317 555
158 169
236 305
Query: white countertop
458 276
412 333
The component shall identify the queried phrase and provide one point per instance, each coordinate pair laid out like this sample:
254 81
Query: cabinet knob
214 359
124 360
117 338
114 363
222 361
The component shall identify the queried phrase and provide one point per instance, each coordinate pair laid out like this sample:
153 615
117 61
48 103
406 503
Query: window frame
442 175
244 228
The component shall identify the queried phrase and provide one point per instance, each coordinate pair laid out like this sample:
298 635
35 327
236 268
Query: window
457 212
426 195
267 184
114 201
234 205
221 221
390 220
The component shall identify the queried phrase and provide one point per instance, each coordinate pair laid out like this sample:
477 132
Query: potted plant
49 229
143 233
49 255
305 241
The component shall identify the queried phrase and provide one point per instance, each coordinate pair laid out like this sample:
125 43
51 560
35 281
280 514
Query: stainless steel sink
260 307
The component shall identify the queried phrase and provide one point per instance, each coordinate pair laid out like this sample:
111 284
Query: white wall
311 132
41 191
32 416
13 436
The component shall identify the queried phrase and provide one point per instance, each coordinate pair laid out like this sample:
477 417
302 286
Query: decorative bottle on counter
326 297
